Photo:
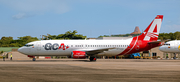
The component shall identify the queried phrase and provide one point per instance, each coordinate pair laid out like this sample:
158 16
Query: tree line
169 36
67 35
162 36
21 41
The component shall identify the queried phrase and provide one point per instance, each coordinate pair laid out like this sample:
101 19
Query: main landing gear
92 58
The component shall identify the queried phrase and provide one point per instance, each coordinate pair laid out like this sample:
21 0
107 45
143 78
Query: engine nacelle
78 55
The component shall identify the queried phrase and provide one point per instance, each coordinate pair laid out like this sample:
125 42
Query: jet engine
78 55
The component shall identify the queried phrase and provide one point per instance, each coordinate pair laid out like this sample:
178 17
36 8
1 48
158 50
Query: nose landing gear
34 59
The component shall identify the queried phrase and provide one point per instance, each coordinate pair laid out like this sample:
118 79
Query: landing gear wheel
34 59
92 58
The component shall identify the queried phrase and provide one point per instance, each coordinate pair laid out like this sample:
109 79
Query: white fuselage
171 47
97 47
51 47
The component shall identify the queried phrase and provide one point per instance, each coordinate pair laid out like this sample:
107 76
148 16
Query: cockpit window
28 45
167 44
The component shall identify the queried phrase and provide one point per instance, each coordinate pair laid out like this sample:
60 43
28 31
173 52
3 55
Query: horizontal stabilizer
155 42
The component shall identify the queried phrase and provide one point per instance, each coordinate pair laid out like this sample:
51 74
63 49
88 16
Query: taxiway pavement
103 70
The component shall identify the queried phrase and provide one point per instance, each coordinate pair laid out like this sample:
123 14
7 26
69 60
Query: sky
90 18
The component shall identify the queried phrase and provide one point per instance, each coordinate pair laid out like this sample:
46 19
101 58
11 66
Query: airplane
80 49
171 47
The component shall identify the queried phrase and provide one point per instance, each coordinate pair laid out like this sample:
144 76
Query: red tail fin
152 31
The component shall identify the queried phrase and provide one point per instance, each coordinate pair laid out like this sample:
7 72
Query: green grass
7 49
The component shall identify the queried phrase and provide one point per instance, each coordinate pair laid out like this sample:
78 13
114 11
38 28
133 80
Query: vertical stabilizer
152 31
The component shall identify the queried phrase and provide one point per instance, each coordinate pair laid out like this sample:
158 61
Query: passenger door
38 46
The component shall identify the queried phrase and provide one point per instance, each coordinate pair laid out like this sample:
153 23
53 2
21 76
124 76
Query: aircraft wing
93 52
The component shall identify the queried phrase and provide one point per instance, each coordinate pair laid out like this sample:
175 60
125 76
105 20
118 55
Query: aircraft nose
161 48
20 50
24 50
